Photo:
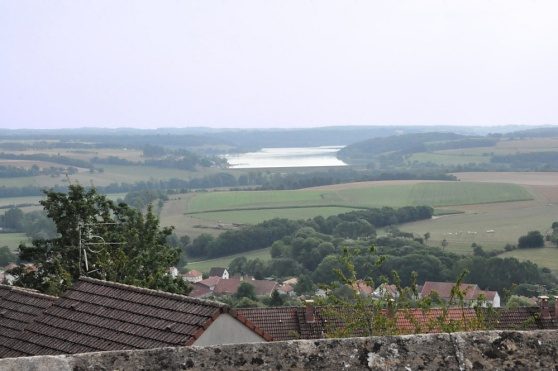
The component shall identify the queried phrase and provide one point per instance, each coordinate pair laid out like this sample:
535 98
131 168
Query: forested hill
411 143
226 139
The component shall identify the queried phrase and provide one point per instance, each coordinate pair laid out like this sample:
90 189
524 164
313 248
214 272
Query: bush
531 240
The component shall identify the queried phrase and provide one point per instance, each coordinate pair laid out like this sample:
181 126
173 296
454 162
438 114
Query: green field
543 257
256 216
196 213
491 227
12 240
385 194
448 159
205 265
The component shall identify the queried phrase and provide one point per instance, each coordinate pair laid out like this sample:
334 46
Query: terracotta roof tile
471 291
210 282
227 287
288 323
96 315
18 307
281 323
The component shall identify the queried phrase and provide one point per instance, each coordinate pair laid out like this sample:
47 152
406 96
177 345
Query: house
173 272
285 289
18 307
263 287
385 290
96 315
193 276
291 281
362 288
210 282
219 272
315 322
200 291
230 286
227 287
471 293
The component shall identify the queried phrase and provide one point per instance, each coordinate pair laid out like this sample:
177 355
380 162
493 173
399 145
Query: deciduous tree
120 244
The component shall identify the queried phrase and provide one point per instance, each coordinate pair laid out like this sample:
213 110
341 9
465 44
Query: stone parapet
471 350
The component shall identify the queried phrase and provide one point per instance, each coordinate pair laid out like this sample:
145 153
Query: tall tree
118 244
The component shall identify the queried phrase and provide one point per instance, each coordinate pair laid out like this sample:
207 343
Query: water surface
287 157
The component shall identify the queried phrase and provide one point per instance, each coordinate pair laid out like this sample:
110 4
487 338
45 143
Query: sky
277 63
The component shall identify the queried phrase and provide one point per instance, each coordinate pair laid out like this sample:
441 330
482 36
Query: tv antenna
89 243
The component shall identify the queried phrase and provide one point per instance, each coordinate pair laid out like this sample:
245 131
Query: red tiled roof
199 291
282 323
230 286
363 288
192 273
263 287
471 291
289 323
96 315
285 288
489 295
18 307
227 287
210 282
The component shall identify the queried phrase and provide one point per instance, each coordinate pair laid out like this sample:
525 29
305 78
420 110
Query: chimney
543 305
309 313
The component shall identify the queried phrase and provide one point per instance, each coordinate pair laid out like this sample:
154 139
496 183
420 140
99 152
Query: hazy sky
263 63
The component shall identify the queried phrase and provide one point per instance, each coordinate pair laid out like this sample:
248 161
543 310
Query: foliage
245 290
359 315
533 239
516 301
6 256
134 249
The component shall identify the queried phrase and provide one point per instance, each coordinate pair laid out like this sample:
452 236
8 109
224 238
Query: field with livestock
221 209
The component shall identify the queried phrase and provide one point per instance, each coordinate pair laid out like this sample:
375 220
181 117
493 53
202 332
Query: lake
286 157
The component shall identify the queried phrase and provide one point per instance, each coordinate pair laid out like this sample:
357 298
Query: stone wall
474 350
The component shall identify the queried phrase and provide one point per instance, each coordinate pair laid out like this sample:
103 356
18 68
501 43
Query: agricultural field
543 257
110 174
370 194
494 225
219 210
439 158
507 147
12 240
205 265
480 155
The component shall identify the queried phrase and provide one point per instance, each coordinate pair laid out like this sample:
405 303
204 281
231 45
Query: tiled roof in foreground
289 323
97 315
18 307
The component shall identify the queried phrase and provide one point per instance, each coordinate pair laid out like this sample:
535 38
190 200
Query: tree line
354 224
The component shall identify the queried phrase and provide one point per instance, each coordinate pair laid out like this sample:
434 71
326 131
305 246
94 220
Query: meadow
213 212
370 194
12 240
206 265
543 257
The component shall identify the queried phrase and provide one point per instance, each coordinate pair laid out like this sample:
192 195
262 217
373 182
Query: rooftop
97 315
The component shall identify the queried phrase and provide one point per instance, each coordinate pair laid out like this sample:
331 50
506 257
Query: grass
543 257
196 213
205 265
12 240
256 216
507 221
396 195
448 159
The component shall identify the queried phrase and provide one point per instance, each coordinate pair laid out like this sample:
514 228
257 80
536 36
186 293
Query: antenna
87 242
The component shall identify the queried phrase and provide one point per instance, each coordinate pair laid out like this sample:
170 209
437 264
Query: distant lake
286 157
